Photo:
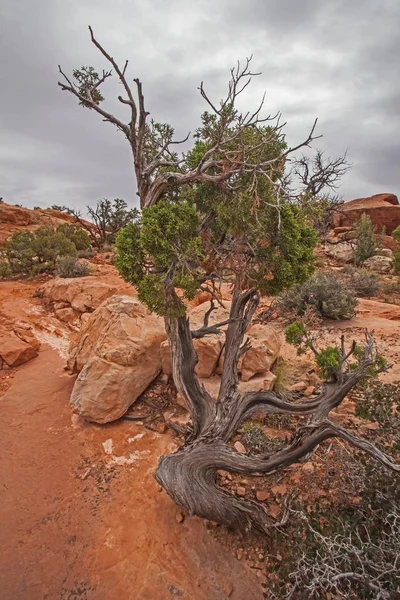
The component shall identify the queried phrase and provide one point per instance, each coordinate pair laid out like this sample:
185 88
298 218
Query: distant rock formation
16 218
384 210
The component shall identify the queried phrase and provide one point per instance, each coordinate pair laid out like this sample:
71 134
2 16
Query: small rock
239 554
179 517
228 589
262 496
309 391
241 491
308 467
273 509
298 387
279 489
239 447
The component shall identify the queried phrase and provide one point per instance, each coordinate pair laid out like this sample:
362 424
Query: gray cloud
336 60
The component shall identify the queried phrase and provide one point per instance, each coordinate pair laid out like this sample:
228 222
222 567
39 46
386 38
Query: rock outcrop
17 346
117 357
122 348
380 264
71 299
16 218
384 210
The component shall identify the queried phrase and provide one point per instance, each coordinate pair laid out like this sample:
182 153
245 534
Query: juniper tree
222 211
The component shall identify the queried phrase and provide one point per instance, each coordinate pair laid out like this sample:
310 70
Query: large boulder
81 294
265 344
380 264
117 356
342 251
383 209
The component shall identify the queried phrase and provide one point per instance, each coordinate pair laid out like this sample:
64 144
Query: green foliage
60 208
5 269
70 266
328 361
108 218
280 371
325 293
36 252
169 235
380 402
396 235
364 283
295 333
130 260
151 293
86 79
76 235
256 441
366 243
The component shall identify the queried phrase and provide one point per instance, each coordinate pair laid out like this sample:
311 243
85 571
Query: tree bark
190 475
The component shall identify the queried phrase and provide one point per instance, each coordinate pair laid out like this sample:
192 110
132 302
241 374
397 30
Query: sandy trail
80 523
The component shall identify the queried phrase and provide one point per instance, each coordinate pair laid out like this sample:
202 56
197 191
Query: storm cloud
335 60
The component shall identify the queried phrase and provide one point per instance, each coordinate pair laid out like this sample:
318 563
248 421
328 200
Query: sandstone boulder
383 209
15 351
208 348
342 251
82 294
117 356
265 344
380 264
212 384
385 252
264 339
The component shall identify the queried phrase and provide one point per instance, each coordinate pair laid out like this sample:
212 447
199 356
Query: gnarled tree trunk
189 475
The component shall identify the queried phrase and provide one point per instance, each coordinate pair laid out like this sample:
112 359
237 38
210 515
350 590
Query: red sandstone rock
383 209
16 218
14 351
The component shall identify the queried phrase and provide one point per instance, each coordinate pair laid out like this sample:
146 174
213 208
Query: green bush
5 269
36 252
396 235
70 266
364 283
366 244
325 293
76 235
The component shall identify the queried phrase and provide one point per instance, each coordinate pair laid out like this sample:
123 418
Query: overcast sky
337 60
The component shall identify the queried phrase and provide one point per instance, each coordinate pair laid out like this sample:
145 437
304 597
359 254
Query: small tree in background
221 212
366 245
107 219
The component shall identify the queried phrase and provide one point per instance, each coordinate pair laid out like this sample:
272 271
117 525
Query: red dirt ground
78 523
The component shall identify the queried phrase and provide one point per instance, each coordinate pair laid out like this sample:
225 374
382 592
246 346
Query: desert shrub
380 402
70 266
36 252
76 235
89 253
366 245
281 373
325 293
5 269
364 283
396 235
256 441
